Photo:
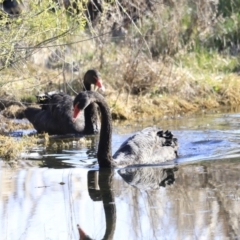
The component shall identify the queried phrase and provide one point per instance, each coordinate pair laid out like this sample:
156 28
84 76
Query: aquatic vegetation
10 147
66 144
8 125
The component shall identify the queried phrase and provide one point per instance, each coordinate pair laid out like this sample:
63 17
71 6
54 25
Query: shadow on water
64 152
195 197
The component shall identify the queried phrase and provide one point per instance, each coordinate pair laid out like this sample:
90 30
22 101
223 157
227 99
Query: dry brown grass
13 111
8 125
12 147
152 71
154 89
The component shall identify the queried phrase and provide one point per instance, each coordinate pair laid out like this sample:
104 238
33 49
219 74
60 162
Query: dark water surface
195 197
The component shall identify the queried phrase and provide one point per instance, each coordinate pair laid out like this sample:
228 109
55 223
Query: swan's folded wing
61 105
149 146
41 119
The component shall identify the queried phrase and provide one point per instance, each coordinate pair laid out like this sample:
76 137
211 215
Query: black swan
55 116
149 146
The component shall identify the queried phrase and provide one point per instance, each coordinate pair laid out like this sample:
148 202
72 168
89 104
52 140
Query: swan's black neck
86 86
90 113
87 83
91 119
104 153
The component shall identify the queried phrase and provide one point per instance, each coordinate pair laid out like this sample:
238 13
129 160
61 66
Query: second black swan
149 146
55 116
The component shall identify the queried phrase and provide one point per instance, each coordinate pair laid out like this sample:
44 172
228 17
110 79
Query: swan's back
149 146
60 105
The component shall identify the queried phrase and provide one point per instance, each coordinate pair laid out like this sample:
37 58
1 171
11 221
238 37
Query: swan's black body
55 115
149 146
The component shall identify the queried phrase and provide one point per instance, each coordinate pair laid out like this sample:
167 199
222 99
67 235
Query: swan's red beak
99 84
82 234
76 111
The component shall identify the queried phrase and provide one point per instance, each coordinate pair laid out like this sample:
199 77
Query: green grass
208 62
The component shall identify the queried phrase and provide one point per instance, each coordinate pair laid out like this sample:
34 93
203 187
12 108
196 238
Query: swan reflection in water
148 177
142 177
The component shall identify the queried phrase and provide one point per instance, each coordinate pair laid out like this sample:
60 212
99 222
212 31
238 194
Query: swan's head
81 101
92 76
82 234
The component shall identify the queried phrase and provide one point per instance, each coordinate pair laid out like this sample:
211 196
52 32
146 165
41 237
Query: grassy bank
140 89
166 59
